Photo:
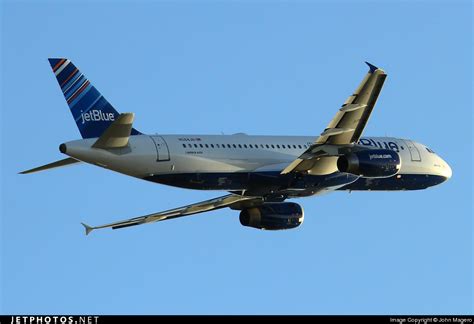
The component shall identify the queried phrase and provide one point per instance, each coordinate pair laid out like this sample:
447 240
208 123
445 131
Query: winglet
372 67
88 228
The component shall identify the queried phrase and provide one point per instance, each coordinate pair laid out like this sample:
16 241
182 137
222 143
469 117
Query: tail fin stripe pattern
63 71
69 77
78 92
55 67
71 82
91 111
62 67
64 74
73 88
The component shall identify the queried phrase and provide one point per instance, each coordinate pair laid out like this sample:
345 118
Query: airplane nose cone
448 173
445 170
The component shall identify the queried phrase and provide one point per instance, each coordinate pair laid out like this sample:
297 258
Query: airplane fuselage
252 164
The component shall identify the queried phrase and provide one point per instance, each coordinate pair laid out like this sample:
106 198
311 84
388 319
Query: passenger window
299 146
207 146
305 146
294 146
278 146
201 145
235 146
268 146
184 145
189 145
228 145
212 145
245 145
250 145
217 145
273 146
240 146
195 145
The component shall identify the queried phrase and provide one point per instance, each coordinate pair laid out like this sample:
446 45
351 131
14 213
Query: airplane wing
349 122
53 165
208 205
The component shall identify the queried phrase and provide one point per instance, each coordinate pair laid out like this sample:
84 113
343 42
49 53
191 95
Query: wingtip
87 228
372 67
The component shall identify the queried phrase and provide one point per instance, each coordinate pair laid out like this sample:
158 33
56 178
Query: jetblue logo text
96 115
383 145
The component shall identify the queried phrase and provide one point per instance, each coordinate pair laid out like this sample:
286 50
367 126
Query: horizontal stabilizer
87 228
117 134
53 165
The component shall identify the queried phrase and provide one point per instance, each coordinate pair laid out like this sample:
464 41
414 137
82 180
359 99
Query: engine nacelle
370 163
273 216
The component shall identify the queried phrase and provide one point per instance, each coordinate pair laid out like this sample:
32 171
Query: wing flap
351 107
336 131
292 166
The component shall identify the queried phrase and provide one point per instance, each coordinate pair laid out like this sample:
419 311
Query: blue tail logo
91 111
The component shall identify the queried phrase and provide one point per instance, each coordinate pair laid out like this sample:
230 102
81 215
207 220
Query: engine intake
370 163
273 216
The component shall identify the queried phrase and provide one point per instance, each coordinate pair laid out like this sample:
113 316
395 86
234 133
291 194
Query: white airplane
259 172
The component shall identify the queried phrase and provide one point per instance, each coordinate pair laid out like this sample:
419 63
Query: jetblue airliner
259 173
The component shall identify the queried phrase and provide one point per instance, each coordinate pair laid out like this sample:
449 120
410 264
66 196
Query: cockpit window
429 150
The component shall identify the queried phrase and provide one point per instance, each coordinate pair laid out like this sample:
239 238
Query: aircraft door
162 151
414 152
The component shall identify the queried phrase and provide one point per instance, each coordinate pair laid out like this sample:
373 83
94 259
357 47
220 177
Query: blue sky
255 67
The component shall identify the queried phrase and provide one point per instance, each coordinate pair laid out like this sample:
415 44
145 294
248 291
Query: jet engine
273 216
370 163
